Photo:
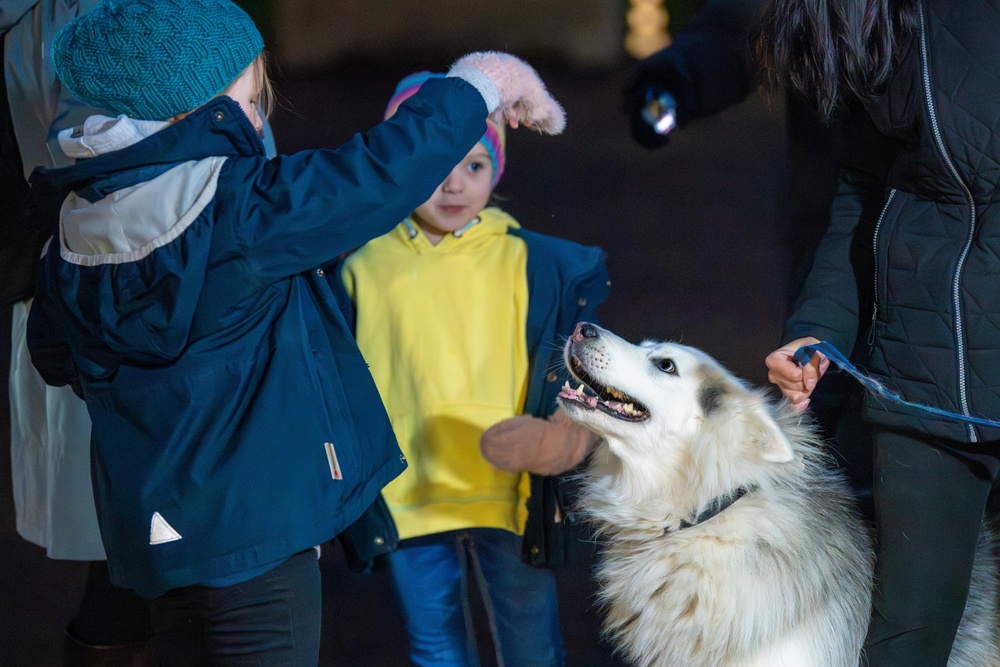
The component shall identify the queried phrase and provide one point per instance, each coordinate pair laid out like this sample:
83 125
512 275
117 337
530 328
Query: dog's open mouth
609 400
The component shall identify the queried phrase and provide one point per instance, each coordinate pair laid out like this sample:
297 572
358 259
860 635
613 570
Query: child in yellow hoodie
460 313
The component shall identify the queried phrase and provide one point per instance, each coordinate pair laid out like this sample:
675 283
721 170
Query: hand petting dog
541 446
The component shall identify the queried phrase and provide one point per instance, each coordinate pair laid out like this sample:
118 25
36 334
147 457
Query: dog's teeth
629 407
566 385
579 389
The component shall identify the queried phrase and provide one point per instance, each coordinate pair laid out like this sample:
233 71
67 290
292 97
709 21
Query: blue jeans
269 621
432 575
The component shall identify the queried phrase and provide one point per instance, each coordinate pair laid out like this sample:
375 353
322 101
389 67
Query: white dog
729 538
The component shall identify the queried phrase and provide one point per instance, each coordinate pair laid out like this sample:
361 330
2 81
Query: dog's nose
582 331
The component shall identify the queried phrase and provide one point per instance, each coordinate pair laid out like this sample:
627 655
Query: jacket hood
123 268
491 222
102 134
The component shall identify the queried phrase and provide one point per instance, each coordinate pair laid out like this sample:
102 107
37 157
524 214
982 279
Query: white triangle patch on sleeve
160 531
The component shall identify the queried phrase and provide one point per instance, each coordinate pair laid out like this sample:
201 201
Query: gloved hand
542 446
665 71
523 97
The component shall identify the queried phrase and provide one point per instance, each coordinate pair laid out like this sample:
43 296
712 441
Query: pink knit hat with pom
494 140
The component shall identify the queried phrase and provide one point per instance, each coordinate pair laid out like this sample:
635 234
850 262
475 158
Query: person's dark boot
78 653
112 628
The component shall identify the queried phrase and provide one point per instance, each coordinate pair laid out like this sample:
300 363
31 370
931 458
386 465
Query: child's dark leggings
930 496
272 620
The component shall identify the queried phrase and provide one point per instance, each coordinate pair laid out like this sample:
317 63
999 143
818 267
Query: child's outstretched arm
305 209
523 98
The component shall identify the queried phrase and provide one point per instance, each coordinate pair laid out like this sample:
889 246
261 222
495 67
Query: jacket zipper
878 226
956 295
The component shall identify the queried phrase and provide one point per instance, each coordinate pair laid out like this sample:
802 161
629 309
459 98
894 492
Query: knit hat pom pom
523 97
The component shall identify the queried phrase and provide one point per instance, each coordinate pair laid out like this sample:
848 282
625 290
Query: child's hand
542 446
523 97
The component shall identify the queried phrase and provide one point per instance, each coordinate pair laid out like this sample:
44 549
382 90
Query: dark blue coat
920 206
228 397
566 284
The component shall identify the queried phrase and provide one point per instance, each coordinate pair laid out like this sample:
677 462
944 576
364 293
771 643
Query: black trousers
929 496
270 621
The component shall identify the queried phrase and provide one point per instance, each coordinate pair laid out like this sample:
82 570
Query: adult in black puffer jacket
912 257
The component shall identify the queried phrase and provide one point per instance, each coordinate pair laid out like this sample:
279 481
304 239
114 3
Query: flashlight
660 110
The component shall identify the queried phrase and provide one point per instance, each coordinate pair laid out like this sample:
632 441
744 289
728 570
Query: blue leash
805 353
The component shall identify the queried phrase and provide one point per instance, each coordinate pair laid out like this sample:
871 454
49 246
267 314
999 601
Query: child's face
245 91
460 198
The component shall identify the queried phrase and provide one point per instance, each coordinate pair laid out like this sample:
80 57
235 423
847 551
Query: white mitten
523 97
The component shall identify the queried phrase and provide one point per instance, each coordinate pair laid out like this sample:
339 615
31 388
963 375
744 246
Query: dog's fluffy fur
781 576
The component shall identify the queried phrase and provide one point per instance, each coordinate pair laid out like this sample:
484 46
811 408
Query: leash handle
805 353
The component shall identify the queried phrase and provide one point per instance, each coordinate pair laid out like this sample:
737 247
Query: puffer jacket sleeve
835 303
303 210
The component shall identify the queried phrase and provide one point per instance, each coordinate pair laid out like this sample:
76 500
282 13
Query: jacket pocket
880 247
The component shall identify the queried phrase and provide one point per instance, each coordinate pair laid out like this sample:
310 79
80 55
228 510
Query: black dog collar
717 506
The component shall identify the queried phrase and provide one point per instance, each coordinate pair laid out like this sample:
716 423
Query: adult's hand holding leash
796 381
812 349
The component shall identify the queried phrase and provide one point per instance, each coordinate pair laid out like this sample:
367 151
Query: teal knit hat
154 59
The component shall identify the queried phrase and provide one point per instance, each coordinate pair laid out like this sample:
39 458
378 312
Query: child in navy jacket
235 424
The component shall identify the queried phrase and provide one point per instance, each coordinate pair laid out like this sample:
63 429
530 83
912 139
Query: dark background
696 253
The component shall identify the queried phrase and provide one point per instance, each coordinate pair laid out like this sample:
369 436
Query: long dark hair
825 49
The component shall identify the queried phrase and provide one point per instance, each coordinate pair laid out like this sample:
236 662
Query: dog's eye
667 366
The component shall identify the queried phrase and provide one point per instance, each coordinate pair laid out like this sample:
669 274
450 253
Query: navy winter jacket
234 420
921 207
566 283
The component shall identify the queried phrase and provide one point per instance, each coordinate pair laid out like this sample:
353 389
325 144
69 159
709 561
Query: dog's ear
766 434
724 402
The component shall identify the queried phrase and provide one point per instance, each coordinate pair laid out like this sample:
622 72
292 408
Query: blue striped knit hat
154 59
495 139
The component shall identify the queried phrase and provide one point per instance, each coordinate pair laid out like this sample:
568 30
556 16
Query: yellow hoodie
443 330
